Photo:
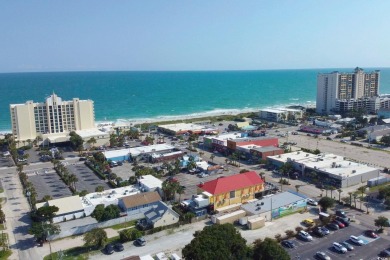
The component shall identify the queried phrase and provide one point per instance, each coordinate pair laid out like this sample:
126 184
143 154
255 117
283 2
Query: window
232 194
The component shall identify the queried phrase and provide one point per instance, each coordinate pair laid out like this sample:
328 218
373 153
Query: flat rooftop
329 163
137 150
108 196
182 127
150 181
278 200
91 132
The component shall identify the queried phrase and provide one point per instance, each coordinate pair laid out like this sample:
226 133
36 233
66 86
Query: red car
370 233
338 223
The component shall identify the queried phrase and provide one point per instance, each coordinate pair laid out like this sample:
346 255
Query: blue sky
192 35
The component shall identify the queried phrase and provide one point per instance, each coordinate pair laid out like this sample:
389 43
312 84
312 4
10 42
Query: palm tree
339 191
212 157
350 198
72 181
91 142
180 191
331 191
355 195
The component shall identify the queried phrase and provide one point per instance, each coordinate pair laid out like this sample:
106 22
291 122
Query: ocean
160 95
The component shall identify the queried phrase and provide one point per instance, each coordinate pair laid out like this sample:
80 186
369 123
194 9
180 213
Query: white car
312 202
356 240
305 236
339 248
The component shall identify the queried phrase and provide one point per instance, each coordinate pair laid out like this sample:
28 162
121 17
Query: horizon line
205 70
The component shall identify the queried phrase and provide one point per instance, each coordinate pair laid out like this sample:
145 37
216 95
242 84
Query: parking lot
6 161
124 171
87 179
307 250
48 183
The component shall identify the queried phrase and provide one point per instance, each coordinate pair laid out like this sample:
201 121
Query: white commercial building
54 117
68 208
107 197
328 169
280 114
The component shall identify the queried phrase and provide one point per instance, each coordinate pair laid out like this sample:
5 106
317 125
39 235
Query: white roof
137 150
91 133
65 205
224 137
182 127
386 121
159 155
203 164
329 163
150 181
108 197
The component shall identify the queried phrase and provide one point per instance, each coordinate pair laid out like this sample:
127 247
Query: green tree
46 198
83 193
111 212
47 213
91 142
98 212
40 230
269 249
2 215
97 238
386 140
216 242
76 141
99 189
326 202
381 222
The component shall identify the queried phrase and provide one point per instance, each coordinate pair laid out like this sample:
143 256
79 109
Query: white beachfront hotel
54 119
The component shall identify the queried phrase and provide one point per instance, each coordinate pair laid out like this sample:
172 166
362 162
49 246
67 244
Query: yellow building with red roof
235 189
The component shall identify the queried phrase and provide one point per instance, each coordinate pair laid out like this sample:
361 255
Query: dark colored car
109 249
341 213
385 253
141 241
333 226
82 159
120 163
288 244
370 233
318 231
345 221
119 247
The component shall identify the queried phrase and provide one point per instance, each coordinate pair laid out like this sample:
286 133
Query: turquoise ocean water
152 95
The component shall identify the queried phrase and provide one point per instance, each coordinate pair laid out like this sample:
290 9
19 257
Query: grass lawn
376 188
124 225
4 254
1 190
2 227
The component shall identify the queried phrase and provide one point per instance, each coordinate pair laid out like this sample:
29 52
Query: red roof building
234 189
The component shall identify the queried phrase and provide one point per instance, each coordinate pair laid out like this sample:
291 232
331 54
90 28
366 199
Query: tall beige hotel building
53 119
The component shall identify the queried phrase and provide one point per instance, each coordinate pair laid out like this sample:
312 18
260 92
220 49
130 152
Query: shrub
298 229
290 233
278 237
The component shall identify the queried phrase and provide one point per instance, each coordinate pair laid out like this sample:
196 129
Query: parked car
347 245
288 244
340 224
324 230
318 232
305 236
356 240
333 226
109 249
312 202
119 247
345 221
341 213
322 256
370 233
339 248
329 138
385 253
141 241
120 163
308 222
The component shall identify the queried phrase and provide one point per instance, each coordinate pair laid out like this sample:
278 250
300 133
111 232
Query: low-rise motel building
232 190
